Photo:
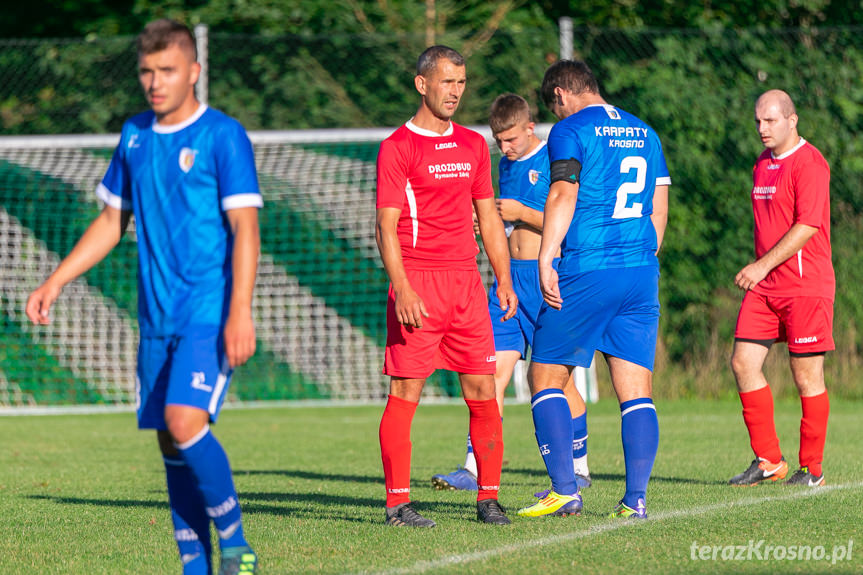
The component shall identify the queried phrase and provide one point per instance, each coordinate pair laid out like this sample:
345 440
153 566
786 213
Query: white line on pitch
452 560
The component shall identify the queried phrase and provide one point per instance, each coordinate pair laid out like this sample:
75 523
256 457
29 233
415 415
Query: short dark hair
159 34
427 62
507 111
572 75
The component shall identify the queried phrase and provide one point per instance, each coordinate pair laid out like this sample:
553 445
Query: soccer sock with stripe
395 438
579 445
758 416
639 431
487 433
813 431
189 516
553 423
206 459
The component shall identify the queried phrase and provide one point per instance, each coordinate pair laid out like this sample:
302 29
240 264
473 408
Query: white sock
470 458
580 466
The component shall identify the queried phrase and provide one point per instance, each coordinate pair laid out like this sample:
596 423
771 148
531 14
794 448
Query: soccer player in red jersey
430 172
789 293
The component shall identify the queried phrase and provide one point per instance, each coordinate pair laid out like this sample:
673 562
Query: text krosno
762 551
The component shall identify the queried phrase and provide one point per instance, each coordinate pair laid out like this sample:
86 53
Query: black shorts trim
806 353
765 342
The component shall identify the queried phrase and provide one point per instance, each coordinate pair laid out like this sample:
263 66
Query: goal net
320 295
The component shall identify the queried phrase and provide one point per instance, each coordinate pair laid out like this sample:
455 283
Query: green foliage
697 89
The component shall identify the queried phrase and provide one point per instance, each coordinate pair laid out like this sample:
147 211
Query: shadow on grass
539 473
313 475
319 506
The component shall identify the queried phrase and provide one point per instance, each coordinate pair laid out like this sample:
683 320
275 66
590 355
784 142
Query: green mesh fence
320 296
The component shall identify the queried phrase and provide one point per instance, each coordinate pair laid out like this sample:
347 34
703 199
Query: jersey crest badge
187 159
533 176
612 113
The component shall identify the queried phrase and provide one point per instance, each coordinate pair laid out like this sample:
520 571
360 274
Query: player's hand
508 300
549 287
510 210
39 303
240 341
750 276
409 307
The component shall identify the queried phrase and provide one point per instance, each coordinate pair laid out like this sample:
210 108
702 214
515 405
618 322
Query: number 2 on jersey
621 210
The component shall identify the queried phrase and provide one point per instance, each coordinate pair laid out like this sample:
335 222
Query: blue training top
527 178
179 181
621 165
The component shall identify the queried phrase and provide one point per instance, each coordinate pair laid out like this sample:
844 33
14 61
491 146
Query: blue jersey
527 178
179 181
621 165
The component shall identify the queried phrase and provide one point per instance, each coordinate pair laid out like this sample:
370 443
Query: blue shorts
190 369
516 333
615 311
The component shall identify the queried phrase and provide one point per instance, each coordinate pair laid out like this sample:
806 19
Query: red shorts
457 334
806 323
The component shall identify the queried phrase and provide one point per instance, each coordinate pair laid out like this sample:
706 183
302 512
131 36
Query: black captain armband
566 171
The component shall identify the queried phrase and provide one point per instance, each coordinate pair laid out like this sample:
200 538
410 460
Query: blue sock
553 424
639 430
579 436
208 463
191 522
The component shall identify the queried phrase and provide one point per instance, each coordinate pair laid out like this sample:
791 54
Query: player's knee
740 365
182 428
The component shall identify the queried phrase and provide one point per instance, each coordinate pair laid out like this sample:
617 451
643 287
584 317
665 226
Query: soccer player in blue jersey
524 181
606 211
187 173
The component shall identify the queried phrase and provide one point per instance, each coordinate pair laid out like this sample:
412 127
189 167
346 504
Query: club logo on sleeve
198 379
533 176
187 159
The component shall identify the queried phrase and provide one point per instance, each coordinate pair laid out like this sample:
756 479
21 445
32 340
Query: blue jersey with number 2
621 165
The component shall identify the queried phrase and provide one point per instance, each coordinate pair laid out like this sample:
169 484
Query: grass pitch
85 494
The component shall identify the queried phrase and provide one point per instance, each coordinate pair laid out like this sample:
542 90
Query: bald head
779 99
776 120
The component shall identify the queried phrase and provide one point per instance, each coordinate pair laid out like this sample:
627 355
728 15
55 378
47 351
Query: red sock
813 431
486 435
758 416
395 436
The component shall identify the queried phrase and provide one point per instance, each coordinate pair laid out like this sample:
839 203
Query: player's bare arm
559 209
101 236
514 211
659 217
409 307
497 249
240 341
788 245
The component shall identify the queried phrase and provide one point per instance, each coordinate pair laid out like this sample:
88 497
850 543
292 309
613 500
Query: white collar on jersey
533 152
430 133
799 145
160 129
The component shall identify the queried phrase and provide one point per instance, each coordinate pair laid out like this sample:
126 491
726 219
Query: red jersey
432 179
789 189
